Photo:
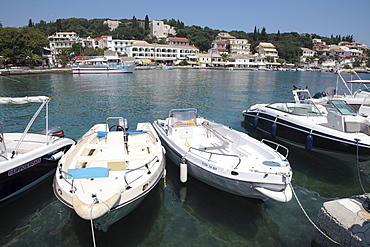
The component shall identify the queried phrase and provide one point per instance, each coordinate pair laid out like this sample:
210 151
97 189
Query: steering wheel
118 128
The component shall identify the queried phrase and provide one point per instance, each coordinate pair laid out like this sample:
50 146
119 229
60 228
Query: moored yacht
107 64
331 127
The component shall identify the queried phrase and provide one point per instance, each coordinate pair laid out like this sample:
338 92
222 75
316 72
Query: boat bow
94 210
280 196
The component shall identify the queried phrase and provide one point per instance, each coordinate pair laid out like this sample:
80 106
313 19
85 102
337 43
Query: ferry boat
107 64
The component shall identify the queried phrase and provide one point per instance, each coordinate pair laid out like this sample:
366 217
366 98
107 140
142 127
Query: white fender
93 211
280 196
183 172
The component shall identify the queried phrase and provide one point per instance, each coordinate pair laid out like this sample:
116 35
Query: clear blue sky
322 17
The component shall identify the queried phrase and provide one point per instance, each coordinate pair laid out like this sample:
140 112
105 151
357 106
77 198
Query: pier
345 221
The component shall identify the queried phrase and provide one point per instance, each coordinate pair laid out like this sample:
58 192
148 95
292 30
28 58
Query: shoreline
5 72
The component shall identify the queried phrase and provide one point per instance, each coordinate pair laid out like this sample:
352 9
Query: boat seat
104 145
91 172
110 159
90 146
115 144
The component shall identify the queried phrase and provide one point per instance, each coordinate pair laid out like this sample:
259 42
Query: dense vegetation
16 44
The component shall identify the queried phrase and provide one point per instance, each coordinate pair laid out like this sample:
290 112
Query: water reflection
193 214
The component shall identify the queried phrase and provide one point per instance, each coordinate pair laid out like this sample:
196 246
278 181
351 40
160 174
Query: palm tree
31 58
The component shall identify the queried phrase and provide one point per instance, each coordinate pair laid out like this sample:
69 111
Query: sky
322 17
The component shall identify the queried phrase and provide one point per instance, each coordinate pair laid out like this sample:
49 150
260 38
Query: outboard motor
318 95
54 131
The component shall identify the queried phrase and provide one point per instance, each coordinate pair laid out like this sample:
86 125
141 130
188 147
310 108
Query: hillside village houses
236 51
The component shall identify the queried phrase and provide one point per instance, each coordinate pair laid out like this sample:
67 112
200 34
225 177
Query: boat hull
298 135
232 186
29 170
133 163
227 171
99 70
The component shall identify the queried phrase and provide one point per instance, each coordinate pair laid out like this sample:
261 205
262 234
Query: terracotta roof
164 46
176 39
220 49
306 49
220 42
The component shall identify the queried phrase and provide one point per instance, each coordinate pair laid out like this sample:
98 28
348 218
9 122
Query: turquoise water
173 214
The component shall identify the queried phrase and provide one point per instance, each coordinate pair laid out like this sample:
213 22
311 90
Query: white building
223 36
267 50
160 53
242 61
239 46
210 60
218 47
177 41
306 53
160 30
111 24
61 40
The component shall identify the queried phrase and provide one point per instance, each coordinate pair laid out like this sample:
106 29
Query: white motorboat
224 158
331 127
103 65
28 158
353 95
110 168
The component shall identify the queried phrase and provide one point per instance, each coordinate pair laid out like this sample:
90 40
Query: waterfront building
267 50
160 53
210 60
239 46
218 47
223 36
61 40
119 45
177 41
160 30
306 53
242 61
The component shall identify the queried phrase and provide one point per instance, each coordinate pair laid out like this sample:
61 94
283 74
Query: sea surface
173 214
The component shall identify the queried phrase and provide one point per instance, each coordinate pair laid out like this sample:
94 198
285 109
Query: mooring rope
358 167
309 219
91 221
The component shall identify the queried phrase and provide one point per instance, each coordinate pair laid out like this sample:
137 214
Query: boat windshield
300 108
182 117
340 106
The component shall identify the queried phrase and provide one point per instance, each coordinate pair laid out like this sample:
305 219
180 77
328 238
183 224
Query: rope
358 167
308 217
91 222
91 219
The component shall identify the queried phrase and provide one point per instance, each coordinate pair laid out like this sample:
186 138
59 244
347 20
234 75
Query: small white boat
110 168
224 158
28 158
109 64
167 67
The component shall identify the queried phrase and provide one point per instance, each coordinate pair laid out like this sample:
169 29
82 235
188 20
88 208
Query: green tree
31 59
30 24
146 23
263 35
64 57
134 22
59 25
